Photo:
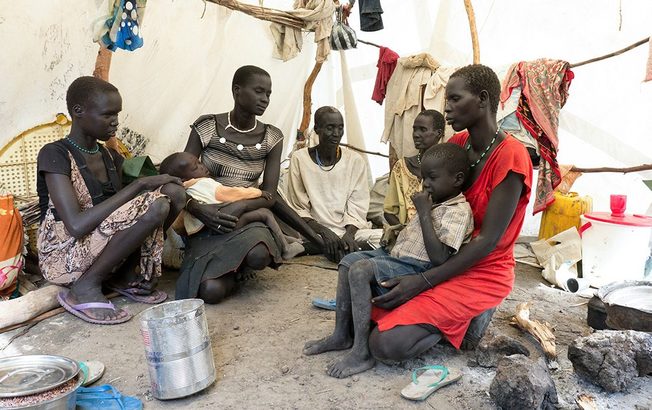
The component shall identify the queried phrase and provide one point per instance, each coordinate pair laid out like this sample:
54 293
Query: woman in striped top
237 149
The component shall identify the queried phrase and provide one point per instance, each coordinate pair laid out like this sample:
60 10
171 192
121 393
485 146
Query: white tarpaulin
185 68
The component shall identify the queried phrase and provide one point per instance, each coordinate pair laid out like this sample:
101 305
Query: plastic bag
11 246
343 37
137 167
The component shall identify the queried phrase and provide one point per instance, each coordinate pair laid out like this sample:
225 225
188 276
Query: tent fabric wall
186 64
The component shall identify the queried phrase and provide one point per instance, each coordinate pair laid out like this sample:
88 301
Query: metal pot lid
30 374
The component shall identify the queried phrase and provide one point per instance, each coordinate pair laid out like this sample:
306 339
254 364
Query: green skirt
210 256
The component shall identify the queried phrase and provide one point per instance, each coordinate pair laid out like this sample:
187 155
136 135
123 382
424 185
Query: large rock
522 383
612 359
492 348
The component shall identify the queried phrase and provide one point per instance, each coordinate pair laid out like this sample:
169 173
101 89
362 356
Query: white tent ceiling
185 69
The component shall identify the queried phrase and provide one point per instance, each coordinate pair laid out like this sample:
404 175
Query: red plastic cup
618 205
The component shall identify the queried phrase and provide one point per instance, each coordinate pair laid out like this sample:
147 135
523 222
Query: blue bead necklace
468 147
87 151
319 163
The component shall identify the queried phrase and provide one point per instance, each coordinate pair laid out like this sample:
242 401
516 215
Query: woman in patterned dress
90 224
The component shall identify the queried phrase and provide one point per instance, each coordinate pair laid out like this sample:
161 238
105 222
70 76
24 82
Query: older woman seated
328 188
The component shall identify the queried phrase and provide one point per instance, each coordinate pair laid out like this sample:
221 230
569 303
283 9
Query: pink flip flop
77 310
154 298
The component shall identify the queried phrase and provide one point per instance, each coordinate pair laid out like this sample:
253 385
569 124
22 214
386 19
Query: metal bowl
628 305
66 401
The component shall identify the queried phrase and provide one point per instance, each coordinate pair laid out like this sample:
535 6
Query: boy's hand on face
422 201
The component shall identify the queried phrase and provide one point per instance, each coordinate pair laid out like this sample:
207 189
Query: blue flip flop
105 397
327 304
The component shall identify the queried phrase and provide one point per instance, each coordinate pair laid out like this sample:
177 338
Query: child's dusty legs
341 338
288 249
359 358
88 288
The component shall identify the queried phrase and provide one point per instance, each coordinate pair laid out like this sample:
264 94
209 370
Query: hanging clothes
370 15
508 120
434 95
386 64
544 89
122 28
318 16
403 100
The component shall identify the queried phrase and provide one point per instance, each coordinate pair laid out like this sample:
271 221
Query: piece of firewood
26 307
586 402
541 331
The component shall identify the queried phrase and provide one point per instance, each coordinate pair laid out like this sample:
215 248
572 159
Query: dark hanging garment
370 11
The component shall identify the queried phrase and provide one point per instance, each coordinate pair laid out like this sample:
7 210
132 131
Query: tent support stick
362 150
639 168
474 31
307 101
615 53
101 71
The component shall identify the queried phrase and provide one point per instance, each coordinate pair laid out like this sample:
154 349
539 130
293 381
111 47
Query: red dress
452 304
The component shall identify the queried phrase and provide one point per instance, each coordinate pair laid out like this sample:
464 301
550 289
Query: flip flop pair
431 379
78 310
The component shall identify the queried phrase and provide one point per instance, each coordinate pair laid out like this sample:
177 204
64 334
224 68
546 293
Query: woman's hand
213 217
153 182
403 289
422 201
235 209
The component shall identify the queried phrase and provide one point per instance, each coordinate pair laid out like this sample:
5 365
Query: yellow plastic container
564 213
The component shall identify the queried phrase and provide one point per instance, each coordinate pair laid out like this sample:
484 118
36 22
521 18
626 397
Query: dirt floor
257 337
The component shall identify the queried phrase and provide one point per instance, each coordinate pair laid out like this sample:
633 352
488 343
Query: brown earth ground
257 336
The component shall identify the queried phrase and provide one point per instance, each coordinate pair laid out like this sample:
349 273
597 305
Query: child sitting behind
444 223
199 185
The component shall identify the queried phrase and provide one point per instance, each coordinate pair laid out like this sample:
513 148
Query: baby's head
444 168
184 165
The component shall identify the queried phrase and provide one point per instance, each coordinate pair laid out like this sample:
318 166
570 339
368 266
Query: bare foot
78 296
351 364
292 250
327 344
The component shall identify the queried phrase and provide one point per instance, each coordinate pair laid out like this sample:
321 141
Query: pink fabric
544 84
386 64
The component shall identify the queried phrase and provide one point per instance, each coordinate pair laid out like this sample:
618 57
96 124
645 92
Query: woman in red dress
419 310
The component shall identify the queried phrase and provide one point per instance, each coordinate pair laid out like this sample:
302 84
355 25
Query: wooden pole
307 102
101 71
615 53
639 168
474 31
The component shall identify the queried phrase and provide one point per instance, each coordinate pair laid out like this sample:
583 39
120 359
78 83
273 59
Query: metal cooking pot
628 305
66 401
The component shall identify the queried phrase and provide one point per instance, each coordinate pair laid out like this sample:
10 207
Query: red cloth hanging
386 64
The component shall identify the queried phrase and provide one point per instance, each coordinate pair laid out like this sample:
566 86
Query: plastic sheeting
185 68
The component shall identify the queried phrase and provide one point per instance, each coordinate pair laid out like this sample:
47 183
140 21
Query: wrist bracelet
187 202
426 279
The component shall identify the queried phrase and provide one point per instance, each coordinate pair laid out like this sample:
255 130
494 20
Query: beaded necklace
419 158
337 156
468 147
87 151
229 125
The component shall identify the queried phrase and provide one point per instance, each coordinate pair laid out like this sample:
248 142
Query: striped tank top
230 163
